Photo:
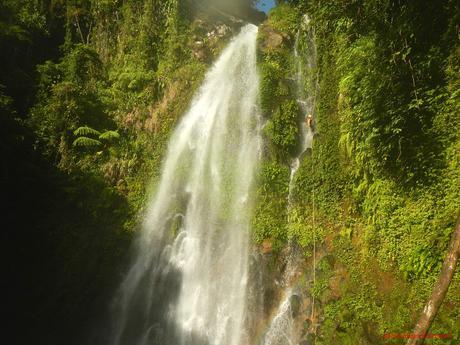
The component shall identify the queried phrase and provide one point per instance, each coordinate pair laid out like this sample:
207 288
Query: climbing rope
314 253
313 191
316 88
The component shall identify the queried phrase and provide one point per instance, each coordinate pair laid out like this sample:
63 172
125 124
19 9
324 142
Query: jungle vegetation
383 174
91 89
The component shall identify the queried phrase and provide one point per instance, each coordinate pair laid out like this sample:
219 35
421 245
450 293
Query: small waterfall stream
305 99
283 329
188 283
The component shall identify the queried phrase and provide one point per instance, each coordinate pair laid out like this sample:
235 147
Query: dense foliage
91 89
89 93
280 131
384 171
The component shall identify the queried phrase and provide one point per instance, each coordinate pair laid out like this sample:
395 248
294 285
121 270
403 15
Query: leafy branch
85 140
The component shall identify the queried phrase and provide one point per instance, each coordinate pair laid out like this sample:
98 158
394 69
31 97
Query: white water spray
188 283
281 331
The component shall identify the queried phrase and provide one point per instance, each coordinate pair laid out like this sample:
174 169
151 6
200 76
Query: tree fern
85 131
86 142
109 135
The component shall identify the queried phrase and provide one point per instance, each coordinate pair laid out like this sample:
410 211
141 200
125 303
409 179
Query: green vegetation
90 91
276 67
89 94
384 168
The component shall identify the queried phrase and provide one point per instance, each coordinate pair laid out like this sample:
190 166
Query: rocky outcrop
209 37
271 39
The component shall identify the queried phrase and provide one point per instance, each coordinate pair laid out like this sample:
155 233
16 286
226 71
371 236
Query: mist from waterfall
188 282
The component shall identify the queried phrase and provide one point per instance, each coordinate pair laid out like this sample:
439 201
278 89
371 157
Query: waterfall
306 87
188 282
283 326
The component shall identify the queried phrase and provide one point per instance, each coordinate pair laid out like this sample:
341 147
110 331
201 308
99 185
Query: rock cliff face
272 39
210 36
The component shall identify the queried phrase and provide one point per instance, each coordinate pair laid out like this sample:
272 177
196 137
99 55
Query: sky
265 5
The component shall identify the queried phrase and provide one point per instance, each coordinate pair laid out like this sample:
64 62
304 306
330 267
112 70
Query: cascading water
282 329
305 77
188 283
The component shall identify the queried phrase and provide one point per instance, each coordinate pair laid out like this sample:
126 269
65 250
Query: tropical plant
84 137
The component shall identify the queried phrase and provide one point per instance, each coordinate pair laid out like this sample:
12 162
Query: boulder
272 39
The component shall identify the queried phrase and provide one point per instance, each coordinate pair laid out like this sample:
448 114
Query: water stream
306 86
188 282
282 329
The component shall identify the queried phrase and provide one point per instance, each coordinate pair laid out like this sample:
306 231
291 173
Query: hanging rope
314 253
316 88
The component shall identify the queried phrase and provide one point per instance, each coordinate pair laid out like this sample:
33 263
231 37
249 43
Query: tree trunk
439 291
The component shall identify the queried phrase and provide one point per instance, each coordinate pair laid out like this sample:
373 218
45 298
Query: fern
86 142
109 135
85 130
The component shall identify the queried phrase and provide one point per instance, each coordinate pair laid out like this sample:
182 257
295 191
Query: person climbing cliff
309 121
